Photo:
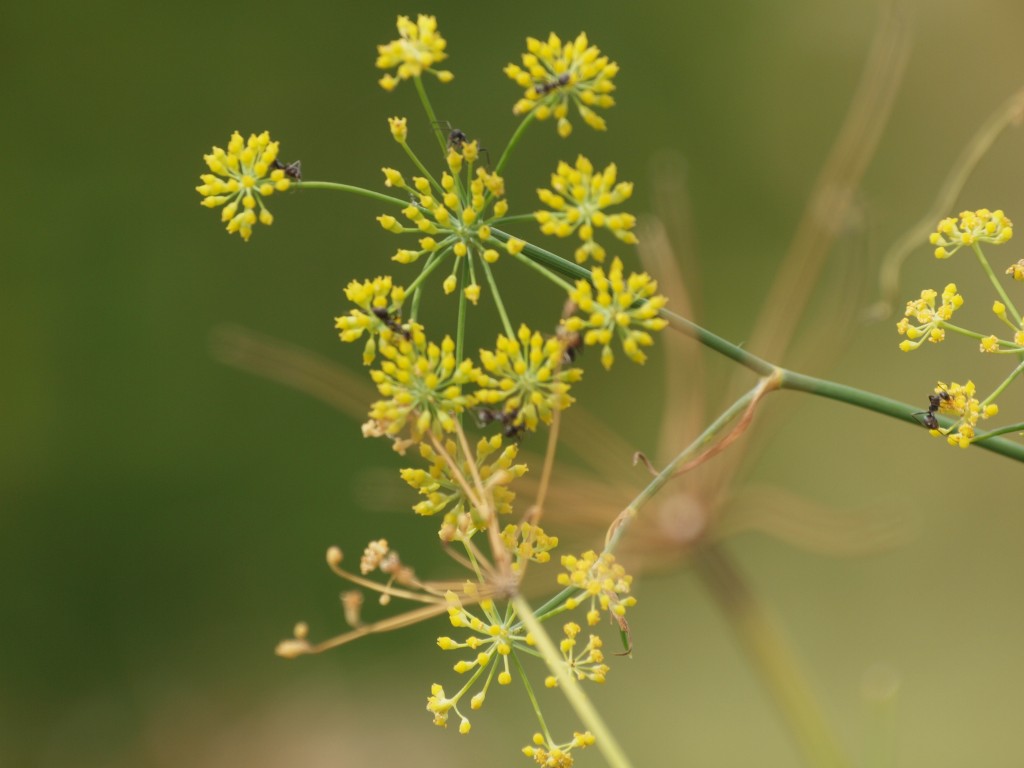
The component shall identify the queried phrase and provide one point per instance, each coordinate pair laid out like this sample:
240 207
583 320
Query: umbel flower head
547 753
554 75
601 581
422 384
929 317
577 199
444 493
613 306
524 374
452 216
417 49
241 177
378 306
980 226
959 400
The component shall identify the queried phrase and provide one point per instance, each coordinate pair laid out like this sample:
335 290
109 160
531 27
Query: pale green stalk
435 260
532 696
571 689
999 390
334 186
668 472
1000 431
497 299
429 109
423 169
976 247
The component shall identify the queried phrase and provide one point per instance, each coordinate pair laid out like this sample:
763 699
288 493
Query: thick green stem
824 388
766 648
552 261
544 272
571 689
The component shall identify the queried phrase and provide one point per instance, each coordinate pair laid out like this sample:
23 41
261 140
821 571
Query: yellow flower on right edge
980 226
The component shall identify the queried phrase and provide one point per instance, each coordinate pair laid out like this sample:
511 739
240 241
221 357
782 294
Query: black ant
934 403
543 89
457 138
291 170
507 419
392 321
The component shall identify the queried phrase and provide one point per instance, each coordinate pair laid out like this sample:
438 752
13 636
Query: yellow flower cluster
444 492
959 400
494 640
527 542
526 376
930 318
422 384
577 198
616 306
554 74
587 663
980 226
418 47
378 314
239 180
599 578
1001 345
550 755
452 216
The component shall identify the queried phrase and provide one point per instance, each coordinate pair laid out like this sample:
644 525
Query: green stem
999 390
552 261
571 689
517 218
423 169
540 268
666 474
460 332
429 109
349 188
789 379
557 603
497 299
533 697
976 247
766 648
433 263
962 331
512 142
1001 431
822 387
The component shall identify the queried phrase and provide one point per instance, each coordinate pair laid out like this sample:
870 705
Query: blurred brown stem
766 648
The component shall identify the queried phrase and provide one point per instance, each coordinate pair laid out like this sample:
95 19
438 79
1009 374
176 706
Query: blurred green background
163 517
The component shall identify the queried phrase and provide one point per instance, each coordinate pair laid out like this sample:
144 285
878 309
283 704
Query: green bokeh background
163 517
